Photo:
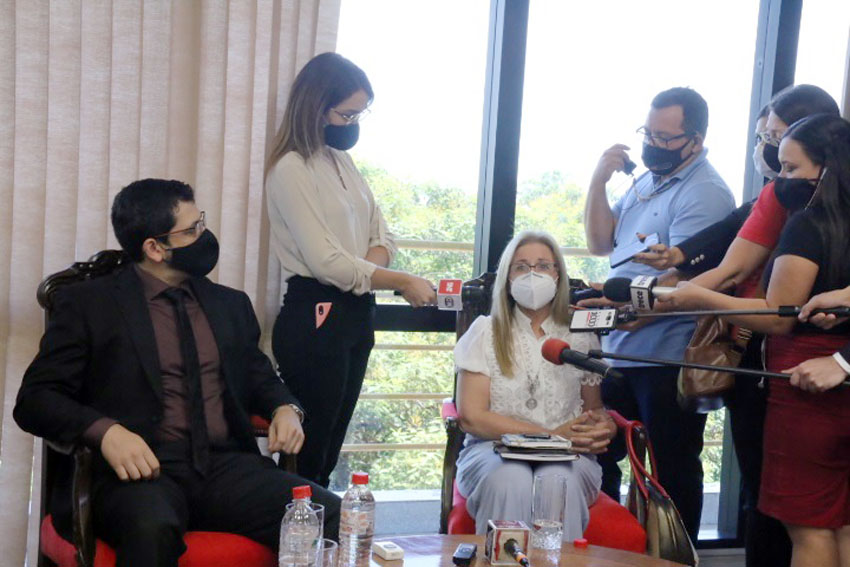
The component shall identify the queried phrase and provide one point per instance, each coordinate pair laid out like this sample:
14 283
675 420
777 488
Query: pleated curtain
95 94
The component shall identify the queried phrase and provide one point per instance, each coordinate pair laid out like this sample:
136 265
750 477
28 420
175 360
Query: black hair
825 139
144 209
765 110
796 102
694 108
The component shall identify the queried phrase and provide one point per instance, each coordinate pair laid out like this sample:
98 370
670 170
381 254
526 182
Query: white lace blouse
555 390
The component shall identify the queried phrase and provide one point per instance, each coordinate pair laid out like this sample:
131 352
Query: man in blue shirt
680 195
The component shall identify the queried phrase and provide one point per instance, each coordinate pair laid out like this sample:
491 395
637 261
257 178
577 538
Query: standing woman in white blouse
334 248
506 386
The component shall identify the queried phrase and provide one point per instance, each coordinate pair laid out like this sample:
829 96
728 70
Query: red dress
806 471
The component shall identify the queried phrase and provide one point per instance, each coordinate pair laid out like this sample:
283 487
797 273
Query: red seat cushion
611 525
204 549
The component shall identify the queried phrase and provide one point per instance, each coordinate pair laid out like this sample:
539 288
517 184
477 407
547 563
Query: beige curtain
97 93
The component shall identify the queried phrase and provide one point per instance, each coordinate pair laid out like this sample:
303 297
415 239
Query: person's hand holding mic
835 298
418 291
688 296
817 374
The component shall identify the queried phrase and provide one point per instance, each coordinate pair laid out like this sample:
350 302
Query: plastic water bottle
357 523
300 532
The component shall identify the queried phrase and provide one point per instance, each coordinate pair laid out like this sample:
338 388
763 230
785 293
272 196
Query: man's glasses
768 138
352 117
197 228
522 268
660 141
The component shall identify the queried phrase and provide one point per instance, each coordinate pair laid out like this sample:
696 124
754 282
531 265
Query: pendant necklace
533 381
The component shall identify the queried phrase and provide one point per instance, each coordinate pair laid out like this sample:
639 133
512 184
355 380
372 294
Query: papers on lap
535 448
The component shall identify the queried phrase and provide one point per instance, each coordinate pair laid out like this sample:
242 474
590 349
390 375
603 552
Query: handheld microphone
641 291
577 295
558 352
512 546
452 294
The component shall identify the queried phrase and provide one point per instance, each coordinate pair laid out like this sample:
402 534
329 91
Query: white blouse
323 223
556 390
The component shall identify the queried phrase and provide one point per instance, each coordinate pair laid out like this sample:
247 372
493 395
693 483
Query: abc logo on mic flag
449 295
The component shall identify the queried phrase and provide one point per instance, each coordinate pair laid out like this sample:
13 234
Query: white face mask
533 290
760 163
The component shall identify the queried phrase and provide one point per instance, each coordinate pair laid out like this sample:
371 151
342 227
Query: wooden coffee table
437 550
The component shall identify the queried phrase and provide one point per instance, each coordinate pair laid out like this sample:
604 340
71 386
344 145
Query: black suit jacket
98 358
705 250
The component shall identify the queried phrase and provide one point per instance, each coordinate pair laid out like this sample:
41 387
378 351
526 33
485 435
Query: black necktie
192 368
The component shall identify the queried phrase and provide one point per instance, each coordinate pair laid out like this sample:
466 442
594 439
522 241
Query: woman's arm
791 282
473 408
379 256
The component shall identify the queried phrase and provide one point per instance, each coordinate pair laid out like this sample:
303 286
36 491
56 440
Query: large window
419 149
822 51
592 69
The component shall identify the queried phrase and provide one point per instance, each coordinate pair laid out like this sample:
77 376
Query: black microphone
641 291
577 295
558 352
512 546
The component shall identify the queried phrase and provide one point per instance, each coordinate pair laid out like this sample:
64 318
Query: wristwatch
298 411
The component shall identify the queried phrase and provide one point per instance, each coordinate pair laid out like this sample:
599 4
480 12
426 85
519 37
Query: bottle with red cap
357 523
300 531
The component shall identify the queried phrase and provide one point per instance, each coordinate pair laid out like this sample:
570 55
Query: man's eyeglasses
522 268
768 138
352 117
660 141
197 228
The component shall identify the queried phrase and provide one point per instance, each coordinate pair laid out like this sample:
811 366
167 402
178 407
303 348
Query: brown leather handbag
712 343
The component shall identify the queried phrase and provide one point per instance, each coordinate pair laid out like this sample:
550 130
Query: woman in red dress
806 474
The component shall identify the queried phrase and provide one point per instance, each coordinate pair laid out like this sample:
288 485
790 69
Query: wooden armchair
74 463
611 525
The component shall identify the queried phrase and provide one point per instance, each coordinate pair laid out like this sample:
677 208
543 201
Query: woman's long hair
502 311
324 82
826 141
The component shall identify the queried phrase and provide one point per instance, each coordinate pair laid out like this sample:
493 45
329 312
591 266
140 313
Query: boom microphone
558 352
641 291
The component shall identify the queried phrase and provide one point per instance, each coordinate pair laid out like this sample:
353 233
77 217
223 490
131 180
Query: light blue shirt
675 208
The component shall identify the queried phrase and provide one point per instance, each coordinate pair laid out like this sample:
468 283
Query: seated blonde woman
505 386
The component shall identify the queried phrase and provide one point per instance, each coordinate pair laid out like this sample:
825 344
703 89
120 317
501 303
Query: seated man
156 368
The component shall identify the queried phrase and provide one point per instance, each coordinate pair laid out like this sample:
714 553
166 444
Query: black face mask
342 137
196 259
794 194
662 161
771 157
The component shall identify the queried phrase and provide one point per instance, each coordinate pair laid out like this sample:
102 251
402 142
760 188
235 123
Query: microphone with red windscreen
558 352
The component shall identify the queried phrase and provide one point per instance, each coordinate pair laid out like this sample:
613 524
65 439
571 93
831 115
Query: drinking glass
548 507
320 513
327 553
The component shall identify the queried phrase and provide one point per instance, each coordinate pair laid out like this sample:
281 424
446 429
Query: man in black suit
157 369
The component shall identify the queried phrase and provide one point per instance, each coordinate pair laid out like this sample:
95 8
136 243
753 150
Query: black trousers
243 493
321 340
765 539
648 394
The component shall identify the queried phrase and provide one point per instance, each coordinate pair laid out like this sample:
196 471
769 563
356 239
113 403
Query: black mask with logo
342 137
662 161
794 194
196 259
